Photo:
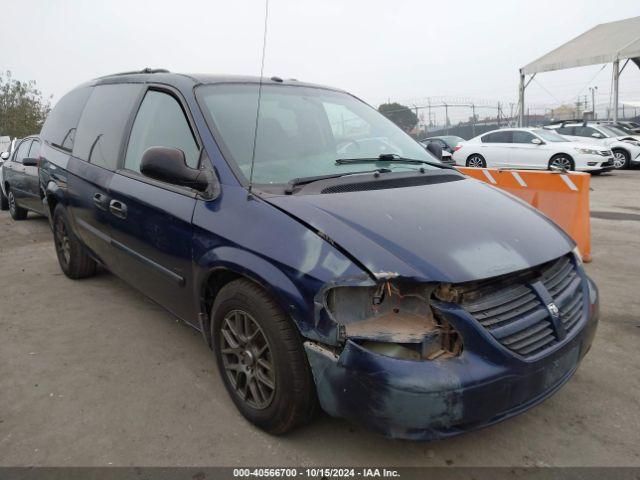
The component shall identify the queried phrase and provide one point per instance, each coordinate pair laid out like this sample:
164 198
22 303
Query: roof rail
133 72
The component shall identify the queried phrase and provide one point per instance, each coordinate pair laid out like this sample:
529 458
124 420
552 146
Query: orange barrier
563 197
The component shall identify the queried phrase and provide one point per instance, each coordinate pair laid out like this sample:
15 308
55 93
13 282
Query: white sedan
532 148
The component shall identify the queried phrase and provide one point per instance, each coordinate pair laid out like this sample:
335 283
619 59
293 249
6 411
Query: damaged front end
393 319
421 361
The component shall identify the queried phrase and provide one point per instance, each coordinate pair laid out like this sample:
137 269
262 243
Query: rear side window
497 137
103 123
160 122
60 128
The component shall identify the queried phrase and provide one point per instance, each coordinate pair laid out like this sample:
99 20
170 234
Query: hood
629 138
592 146
454 232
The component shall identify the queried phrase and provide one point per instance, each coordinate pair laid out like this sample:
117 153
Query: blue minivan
327 258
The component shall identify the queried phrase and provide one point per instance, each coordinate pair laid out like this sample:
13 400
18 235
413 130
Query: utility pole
473 120
446 118
616 77
521 99
593 100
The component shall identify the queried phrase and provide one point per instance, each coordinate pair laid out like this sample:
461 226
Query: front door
33 200
525 154
151 220
14 173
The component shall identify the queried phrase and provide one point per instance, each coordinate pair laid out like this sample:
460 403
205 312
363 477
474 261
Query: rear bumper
428 400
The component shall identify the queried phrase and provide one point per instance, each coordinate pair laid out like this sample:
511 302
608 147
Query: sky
399 50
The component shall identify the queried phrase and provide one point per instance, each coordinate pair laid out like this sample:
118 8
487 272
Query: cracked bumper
428 400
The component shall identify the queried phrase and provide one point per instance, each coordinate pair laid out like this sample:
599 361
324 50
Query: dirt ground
92 373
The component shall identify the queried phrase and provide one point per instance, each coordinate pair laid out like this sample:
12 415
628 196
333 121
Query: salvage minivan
326 257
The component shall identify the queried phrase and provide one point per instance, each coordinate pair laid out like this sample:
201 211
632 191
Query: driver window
522 137
160 122
22 151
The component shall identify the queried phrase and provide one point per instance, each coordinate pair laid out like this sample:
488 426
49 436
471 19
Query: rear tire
17 212
72 256
620 159
261 359
476 161
4 201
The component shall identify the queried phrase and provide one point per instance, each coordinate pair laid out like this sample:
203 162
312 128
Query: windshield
612 131
302 131
549 136
452 140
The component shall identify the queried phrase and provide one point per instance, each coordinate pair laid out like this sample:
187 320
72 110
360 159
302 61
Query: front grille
512 309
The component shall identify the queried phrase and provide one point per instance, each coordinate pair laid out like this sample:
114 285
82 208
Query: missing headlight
394 319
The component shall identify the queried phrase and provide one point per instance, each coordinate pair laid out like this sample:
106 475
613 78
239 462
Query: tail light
457 147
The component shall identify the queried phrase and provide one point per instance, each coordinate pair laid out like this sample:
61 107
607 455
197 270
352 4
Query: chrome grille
515 314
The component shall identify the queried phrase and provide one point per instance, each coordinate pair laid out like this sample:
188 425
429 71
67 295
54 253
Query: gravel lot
92 373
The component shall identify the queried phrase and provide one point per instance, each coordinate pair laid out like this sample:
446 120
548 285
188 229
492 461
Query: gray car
20 179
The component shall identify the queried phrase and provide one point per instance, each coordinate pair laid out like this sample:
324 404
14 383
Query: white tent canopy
604 43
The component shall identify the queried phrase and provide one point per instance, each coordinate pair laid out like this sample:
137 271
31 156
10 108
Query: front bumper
596 164
428 400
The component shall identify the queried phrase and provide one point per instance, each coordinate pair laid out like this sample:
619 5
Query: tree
400 115
22 108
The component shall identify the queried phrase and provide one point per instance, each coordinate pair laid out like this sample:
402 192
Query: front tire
562 161
261 359
476 161
72 257
620 159
17 212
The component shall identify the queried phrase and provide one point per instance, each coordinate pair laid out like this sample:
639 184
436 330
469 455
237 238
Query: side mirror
169 165
30 162
537 141
596 135
4 155
435 149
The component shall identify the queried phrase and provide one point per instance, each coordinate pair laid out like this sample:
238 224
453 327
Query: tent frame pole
616 79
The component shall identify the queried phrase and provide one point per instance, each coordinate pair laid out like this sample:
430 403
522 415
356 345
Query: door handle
100 201
118 208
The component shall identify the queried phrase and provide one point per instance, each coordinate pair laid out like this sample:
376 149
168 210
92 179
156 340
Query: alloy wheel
475 162
561 162
12 204
63 245
619 160
247 361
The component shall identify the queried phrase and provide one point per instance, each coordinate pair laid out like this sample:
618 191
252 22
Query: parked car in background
626 149
20 179
447 142
440 153
632 126
447 158
623 131
390 288
532 148
5 154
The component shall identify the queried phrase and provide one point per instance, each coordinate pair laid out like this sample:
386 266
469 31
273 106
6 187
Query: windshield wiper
391 158
294 182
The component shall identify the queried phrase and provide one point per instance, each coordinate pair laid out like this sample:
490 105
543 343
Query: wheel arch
562 154
53 195
226 264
